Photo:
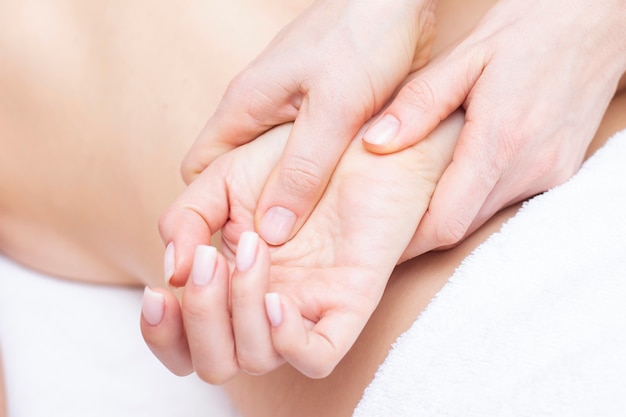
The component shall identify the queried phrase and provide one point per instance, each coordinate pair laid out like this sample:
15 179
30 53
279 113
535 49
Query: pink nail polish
203 266
246 251
152 306
382 131
276 225
273 309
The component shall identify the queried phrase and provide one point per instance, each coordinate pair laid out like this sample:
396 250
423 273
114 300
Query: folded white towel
533 322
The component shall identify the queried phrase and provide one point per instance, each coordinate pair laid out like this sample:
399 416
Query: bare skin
286 392
115 114
328 278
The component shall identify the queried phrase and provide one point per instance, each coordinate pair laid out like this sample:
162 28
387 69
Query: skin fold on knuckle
252 364
216 376
194 308
417 95
315 365
166 222
450 232
319 370
261 95
300 178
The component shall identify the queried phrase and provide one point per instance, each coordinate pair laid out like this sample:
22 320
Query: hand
535 78
330 70
324 283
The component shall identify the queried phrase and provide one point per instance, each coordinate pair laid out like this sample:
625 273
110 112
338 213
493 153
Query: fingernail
246 251
169 262
277 224
203 265
152 306
383 131
273 309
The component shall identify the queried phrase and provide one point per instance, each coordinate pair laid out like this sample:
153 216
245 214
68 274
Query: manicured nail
276 225
203 265
383 131
273 309
169 263
152 306
246 251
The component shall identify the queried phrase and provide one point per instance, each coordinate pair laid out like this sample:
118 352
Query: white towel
75 350
533 323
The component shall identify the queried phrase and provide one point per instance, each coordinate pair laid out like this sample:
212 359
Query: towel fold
532 323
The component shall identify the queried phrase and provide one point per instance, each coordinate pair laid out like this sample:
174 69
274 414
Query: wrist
615 30
603 38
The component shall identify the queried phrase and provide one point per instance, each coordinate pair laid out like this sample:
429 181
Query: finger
313 351
423 102
162 329
504 194
255 352
251 105
459 195
189 222
319 137
207 317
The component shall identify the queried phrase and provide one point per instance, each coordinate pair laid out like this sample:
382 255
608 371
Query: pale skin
226 197
86 183
331 275
286 391
513 144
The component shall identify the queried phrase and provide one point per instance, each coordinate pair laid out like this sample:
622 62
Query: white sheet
533 323
75 350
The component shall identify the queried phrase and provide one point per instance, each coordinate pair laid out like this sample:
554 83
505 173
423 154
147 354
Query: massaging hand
535 78
323 284
330 70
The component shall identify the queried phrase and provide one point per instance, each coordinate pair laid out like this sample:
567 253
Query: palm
339 262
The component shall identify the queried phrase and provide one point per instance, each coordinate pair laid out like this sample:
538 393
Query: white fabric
75 350
533 323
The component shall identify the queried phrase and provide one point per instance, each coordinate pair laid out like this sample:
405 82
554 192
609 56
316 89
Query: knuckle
200 157
252 365
320 371
193 308
418 94
268 99
450 232
242 83
166 219
216 377
300 177
315 366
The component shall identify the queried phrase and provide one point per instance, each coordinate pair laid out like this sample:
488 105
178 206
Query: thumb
423 102
190 221
252 104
